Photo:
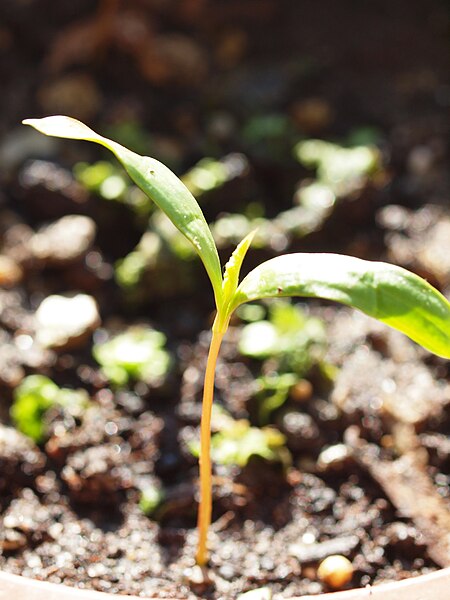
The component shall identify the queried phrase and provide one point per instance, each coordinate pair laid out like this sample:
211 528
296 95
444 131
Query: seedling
338 168
35 396
110 182
235 442
151 498
296 340
138 353
389 293
293 342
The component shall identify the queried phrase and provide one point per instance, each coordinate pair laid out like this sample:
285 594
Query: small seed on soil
336 571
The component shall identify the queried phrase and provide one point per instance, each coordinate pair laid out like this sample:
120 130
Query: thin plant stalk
205 506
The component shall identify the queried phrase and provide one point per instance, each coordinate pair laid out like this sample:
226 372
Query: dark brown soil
193 75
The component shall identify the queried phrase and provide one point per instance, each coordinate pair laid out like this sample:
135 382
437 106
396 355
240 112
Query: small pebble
66 321
10 272
302 391
309 551
333 457
197 577
12 540
263 593
336 571
63 241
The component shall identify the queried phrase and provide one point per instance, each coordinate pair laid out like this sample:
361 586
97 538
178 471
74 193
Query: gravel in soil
75 518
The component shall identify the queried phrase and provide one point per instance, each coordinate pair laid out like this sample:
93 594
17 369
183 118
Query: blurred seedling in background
151 499
35 396
137 354
291 344
340 169
389 293
110 182
235 442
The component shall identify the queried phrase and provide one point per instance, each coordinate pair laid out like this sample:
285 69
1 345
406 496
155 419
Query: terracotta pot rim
433 586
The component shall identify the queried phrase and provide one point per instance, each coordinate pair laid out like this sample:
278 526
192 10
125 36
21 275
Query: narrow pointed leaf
389 293
157 181
233 267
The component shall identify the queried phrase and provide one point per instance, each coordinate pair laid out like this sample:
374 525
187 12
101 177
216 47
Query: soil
193 75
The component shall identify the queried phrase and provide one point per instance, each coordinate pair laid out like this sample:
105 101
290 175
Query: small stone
300 429
12 540
227 572
64 241
197 577
10 272
263 593
333 458
336 571
55 530
64 322
96 570
307 552
302 391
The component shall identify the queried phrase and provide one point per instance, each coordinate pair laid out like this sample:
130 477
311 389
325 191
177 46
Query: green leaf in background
35 396
389 293
138 353
151 498
237 441
337 164
157 181
298 340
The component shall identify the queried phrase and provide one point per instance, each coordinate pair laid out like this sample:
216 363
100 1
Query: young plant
389 293
235 442
35 396
138 354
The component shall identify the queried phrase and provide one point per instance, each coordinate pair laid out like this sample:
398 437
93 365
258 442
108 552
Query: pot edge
432 586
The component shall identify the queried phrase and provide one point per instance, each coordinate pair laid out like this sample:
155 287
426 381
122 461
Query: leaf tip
62 126
249 237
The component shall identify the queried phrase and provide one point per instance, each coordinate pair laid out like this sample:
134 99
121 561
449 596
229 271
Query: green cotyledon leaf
389 293
157 181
